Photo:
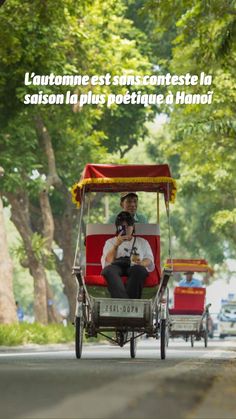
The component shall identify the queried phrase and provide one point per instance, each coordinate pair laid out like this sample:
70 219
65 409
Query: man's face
189 276
130 204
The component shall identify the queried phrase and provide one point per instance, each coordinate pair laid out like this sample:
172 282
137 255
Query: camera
122 229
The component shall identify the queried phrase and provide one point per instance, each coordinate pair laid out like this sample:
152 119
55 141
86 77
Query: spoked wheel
206 331
192 341
79 330
163 338
133 345
167 337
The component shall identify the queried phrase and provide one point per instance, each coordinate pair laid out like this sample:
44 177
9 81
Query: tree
201 138
7 301
46 147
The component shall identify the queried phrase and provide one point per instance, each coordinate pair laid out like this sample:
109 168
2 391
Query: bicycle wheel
79 330
133 345
192 341
163 338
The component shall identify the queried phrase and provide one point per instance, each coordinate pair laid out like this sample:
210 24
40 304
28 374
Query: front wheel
79 331
163 338
133 345
206 338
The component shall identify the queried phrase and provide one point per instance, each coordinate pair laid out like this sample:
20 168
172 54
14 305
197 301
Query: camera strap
132 248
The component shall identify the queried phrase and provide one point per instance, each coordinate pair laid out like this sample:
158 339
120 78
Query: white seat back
140 229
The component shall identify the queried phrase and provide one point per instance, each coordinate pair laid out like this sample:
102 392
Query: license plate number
121 309
184 327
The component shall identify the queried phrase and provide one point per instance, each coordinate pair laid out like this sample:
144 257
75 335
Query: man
129 203
126 255
189 281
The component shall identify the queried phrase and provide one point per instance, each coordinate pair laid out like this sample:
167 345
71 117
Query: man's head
124 223
129 202
189 276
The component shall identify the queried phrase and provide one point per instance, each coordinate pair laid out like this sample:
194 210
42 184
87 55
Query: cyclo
189 317
96 312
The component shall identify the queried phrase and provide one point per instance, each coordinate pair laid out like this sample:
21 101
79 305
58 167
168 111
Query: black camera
121 229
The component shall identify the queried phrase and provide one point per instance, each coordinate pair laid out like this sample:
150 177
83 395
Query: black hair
124 216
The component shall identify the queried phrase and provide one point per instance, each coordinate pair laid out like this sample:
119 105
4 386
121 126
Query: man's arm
111 255
110 249
148 259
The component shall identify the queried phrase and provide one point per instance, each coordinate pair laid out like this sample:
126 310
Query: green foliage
223 223
129 36
24 333
39 249
88 132
199 141
35 333
88 37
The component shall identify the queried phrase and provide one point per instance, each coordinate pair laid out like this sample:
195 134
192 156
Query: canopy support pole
169 232
77 258
158 208
89 203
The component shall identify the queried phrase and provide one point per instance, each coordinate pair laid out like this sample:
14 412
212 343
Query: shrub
20 334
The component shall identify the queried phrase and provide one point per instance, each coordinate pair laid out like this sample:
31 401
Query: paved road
49 382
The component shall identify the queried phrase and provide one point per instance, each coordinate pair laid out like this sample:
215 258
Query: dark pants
136 277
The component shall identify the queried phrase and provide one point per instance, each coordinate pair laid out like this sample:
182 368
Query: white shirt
143 249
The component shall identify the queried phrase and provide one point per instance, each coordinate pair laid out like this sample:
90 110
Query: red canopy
122 178
189 265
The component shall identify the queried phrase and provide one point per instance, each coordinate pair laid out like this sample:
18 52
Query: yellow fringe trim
192 265
88 181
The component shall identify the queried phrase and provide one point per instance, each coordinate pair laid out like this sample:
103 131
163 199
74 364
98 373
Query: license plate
122 309
183 327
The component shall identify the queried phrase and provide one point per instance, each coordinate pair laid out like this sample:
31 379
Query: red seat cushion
100 281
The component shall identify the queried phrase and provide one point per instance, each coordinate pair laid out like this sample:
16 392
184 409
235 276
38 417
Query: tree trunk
53 314
52 179
7 300
40 292
20 217
64 268
64 236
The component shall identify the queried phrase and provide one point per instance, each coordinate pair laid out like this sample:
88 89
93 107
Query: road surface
49 382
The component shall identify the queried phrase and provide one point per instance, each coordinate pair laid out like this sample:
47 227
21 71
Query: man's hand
111 255
145 262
